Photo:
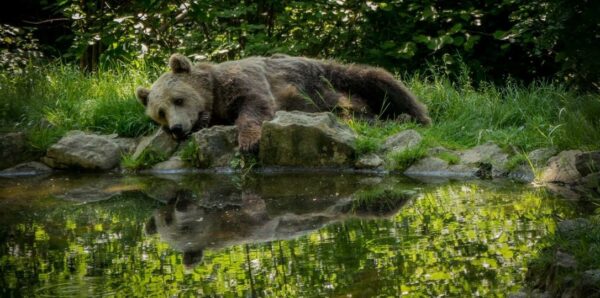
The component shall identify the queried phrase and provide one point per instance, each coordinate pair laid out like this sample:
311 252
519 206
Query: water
268 235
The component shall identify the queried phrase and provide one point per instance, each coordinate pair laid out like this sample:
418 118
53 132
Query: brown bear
249 91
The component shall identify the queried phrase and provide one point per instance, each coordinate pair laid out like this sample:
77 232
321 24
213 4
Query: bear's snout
177 131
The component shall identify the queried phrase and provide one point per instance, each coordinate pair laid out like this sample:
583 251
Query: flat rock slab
173 164
299 139
438 168
369 161
26 169
486 154
84 151
406 139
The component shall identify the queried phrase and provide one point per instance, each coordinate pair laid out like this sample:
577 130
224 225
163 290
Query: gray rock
217 146
160 142
403 140
539 157
83 151
522 173
591 278
13 149
435 167
567 227
588 162
369 161
488 157
127 145
26 169
565 260
302 139
561 168
174 163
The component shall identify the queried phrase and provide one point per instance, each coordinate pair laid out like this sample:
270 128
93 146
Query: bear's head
181 100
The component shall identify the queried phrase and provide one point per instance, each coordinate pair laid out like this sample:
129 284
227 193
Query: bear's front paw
249 142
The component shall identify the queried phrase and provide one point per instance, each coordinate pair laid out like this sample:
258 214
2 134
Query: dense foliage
524 39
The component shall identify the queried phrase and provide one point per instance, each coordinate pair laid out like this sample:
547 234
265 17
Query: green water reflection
266 235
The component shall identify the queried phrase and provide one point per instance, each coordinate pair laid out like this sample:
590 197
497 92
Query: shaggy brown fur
249 91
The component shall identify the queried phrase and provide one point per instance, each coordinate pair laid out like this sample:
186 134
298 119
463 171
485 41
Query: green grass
402 160
48 100
516 161
449 157
145 160
190 153
527 117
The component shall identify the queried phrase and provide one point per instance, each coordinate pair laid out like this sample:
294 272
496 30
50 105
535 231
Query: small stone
403 140
369 161
26 169
489 157
569 226
591 278
565 260
522 173
561 168
173 164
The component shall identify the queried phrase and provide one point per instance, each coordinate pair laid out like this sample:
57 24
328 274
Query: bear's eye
161 113
178 101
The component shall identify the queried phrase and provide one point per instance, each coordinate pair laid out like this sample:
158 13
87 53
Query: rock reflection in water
222 213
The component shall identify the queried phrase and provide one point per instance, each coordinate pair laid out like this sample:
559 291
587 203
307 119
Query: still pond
272 235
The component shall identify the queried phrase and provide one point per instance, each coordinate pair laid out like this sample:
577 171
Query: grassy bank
514 116
48 100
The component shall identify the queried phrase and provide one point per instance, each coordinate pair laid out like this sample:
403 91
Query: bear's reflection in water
266 210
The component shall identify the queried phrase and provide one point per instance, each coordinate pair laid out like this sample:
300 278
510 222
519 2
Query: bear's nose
176 129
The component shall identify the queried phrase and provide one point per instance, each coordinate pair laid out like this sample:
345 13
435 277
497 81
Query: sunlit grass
145 160
48 100
402 160
527 117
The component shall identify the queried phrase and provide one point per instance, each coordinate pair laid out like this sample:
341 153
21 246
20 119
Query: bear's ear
180 63
142 95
